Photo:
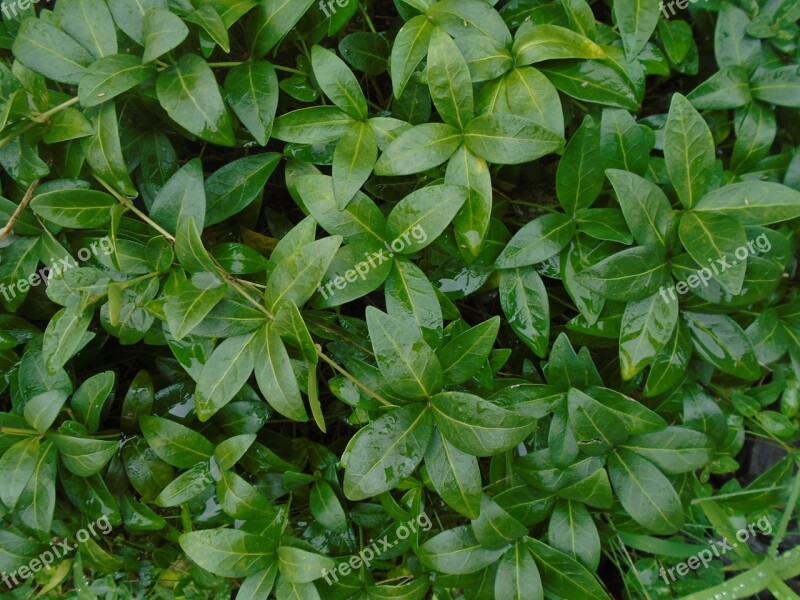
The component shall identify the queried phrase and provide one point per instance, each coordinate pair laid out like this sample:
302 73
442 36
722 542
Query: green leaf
190 303
495 528
753 202
43 48
421 217
525 304
174 443
563 575
90 399
535 43
709 237
104 151
259 584
631 274
689 151
457 552
469 17
187 486
111 76
251 89
314 125
409 48
455 476
719 340
637 20
645 493
190 250
273 20
779 86
466 353
353 160
572 530
647 326
648 214
235 186
365 51
360 221
471 223
508 139
89 23
419 149
449 81
226 371
386 451
297 276
162 31
65 335
410 296
189 93
67 125
670 365
517 576
407 362
302 566
275 376
338 83
74 208
84 457
593 81
229 552
542 238
596 428
727 88
16 468
674 450
229 451
326 507
129 16
579 177
37 502
213 27
477 426
181 198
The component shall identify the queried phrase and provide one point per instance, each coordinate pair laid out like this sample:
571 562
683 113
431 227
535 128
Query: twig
18 212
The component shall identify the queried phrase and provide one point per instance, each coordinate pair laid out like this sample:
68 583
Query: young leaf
386 451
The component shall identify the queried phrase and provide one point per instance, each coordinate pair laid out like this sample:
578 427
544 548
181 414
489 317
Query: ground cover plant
399 299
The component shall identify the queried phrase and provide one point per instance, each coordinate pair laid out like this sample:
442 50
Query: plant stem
336 367
37 120
18 211
290 70
366 17
223 65
131 207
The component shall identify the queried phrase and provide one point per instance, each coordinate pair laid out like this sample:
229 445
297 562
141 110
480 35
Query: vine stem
234 283
38 120
355 380
18 211
131 207
290 70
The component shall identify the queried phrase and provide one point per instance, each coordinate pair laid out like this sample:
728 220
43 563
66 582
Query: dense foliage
416 299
